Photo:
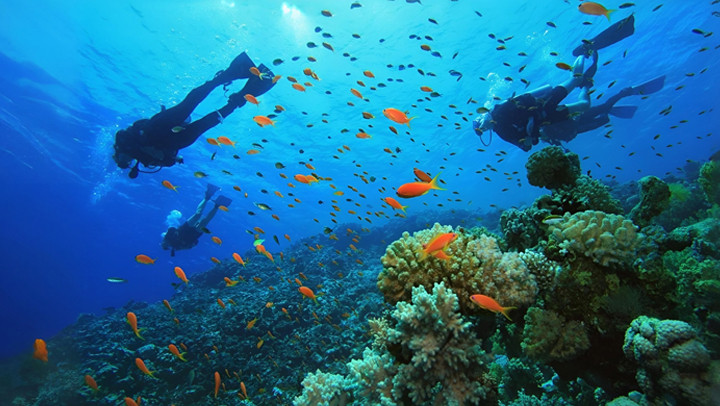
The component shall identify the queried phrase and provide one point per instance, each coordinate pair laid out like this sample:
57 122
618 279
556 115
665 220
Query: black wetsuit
512 117
181 238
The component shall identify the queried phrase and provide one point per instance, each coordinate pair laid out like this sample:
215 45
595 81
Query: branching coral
671 361
547 336
605 238
476 265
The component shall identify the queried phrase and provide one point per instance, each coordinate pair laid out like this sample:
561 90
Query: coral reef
476 265
432 357
672 362
605 238
654 198
709 181
552 168
586 194
549 337
523 229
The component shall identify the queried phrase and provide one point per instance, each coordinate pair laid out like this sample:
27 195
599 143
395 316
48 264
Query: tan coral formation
476 266
607 239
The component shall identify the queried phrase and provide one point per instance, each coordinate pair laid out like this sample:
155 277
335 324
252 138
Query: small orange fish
213 141
167 304
217 383
251 323
253 151
243 389
215 260
276 78
90 382
415 189
216 240
223 208
279 107
307 292
367 115
368 74
144 259
437 243
594 9
287 237
563 66
363 135
302 179
393 129
356 93
169 185
394 203
132 321
262 121
260 343
40 350
238 258
424 177
230 282
181 274
255 71
251 99
225 140
130 402
426 89
298 87
489 303
221 303
141 366
174 351
397 116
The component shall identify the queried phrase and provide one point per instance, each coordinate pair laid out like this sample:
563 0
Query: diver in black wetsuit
187 235
526 119
155 142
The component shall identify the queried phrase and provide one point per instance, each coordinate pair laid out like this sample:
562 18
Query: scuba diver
525 119
187 235
155 142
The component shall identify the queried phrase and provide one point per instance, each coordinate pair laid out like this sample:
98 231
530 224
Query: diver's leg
588 123
580 106
204 222
195 219
197 128
541 92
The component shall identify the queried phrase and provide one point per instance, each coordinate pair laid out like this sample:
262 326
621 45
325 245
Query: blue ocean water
74 74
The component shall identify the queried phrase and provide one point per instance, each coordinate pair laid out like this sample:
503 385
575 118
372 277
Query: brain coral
551 168
476 265
605 238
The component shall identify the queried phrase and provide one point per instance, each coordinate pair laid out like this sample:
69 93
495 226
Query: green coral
586 194
552 168
548 337
654 198
607 239
679 192
476 266
709 181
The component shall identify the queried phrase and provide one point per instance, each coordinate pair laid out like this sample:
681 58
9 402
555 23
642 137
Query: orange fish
40 350
298 87
251 99
426 89
367 115
213 141
243 389
438 243
230 282
276 78
130 402
255 71
563 66
167 304
356 93
415 189
251 323
132 321
253 151
302 179
215 260
89 381
181 274
223 208
174 351
221 303
169 185
594 9
394 203
424 177
307 292
262 121
489 303
141 365
238 258
217 383
368 74
397 116
363 135
216 240
287 237
225 140
144 259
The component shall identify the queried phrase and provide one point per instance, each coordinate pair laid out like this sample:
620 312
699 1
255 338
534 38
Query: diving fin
259 85
623 111
210 191
616 32
223 201
650 87
239 69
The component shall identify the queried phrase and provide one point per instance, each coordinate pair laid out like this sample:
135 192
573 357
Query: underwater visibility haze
397 209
